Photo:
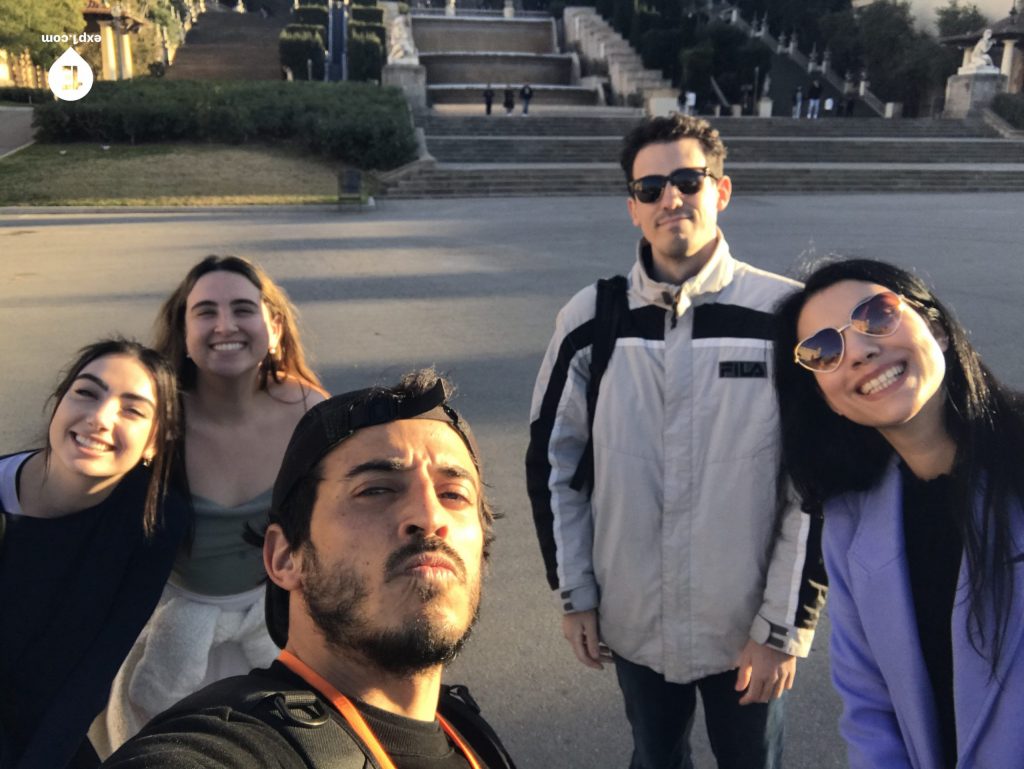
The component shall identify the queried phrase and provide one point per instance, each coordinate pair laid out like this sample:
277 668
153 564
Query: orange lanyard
355 719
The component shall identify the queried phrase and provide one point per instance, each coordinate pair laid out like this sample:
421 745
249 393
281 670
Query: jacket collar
712 278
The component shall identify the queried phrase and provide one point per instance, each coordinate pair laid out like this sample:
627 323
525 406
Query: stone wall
442 68
438 34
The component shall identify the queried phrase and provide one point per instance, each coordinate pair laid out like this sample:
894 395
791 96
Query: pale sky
924 10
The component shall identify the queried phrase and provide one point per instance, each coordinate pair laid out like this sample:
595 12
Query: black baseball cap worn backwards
329 423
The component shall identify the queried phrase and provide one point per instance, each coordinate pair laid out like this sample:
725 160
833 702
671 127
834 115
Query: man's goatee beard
336 601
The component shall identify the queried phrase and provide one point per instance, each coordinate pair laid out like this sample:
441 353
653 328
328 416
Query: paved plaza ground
15 128
473 287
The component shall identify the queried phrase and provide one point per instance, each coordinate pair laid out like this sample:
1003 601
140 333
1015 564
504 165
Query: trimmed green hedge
25 95
314 15
306 30
367 15
365 57
299 44
360 124
359 28
1010 107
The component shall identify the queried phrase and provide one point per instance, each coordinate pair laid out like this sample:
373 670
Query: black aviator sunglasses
648 189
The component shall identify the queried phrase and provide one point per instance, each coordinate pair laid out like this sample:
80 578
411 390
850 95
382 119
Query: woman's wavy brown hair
287 361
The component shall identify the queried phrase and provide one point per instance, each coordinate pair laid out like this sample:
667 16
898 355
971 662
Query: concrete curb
370 205
16 149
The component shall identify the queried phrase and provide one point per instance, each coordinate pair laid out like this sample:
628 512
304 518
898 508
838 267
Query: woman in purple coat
915 452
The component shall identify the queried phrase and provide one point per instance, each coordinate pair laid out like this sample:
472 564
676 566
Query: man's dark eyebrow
377 466
457 471
397 466
106 388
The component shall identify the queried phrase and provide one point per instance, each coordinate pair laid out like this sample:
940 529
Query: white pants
190 641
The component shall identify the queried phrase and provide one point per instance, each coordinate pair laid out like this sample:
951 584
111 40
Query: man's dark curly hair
670 129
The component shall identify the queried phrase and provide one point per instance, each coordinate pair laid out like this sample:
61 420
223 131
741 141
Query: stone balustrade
596 41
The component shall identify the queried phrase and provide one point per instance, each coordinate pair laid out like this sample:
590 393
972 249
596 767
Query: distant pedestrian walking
488 99
510 99
798 101
814 99
526 93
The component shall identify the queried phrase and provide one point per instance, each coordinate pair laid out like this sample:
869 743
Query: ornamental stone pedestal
411 78
969 95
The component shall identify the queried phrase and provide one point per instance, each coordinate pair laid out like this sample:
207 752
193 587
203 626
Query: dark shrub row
310 14
361 28
25 95
367 41
360 124
299 44
305 40
365 57
367 15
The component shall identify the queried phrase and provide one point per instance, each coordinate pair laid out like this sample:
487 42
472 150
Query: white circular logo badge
70 76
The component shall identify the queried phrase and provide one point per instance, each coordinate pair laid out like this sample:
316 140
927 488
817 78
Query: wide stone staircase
224 45
463 54
577 154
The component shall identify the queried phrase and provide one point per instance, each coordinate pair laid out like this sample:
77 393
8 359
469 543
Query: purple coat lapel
990 729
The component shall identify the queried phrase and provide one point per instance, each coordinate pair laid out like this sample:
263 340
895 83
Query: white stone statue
979 56
977 60
401 49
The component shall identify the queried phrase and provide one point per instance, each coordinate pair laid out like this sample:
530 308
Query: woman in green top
231 334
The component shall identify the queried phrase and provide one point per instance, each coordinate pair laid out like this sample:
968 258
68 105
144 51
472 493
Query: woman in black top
89 534
892 423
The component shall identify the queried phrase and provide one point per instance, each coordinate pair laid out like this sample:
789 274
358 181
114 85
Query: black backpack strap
610 312
299 716
461 711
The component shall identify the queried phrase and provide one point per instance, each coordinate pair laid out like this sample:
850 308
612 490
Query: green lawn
163 175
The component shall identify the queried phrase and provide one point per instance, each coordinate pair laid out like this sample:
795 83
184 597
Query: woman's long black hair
825 454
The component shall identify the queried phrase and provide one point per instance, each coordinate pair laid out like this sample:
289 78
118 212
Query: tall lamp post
337 36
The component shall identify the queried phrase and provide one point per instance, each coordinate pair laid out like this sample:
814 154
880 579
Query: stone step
232 61
546 125
599 149
473 93
230 46
582 125
497 67
845 127
216 28
607 180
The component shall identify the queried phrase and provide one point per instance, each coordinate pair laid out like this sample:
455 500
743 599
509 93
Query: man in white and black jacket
676 557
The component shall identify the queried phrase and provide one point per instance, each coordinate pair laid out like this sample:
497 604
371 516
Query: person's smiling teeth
91 443
227 346
883 380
